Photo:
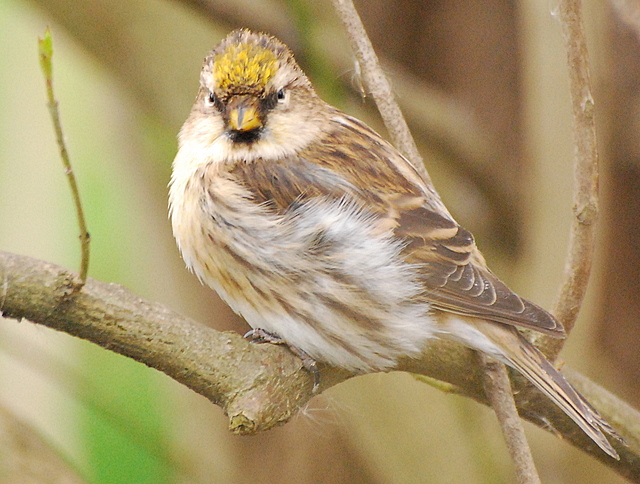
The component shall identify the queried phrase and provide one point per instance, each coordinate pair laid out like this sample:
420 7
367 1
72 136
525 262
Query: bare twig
45 48
585 198
378 85
498 388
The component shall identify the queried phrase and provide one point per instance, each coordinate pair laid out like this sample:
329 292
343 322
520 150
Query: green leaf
45 49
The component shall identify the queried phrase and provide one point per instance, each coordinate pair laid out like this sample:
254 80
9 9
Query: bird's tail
511 348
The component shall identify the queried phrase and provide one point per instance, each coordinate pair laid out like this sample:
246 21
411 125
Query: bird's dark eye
211 99
271 100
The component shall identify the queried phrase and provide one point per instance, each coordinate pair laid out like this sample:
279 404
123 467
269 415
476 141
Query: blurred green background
484 87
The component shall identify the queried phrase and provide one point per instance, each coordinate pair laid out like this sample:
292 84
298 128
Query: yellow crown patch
244 67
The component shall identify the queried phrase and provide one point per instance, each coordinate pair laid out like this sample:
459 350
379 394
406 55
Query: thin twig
378 85
498 389
585 197
45 49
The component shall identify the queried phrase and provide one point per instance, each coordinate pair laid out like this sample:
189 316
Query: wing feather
370 171
455 275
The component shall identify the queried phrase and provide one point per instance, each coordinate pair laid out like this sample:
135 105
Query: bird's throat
245 137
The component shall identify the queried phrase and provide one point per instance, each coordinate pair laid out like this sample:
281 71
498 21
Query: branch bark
261 386
585 196
498 389
497 384
379 86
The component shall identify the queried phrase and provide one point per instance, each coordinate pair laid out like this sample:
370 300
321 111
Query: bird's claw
259 335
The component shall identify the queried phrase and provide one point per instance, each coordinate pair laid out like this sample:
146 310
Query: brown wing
353 161
281 184
455 276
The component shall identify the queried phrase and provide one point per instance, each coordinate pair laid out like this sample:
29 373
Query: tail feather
507 345
535 367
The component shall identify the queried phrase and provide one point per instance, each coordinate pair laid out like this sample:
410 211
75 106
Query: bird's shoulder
349 159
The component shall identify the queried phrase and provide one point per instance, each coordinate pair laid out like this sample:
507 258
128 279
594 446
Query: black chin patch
245 137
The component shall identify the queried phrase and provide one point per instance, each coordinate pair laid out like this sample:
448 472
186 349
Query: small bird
322 235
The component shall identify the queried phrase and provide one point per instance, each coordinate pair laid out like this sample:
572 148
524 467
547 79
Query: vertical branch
585 197
497 384
45 48
498 389
378 85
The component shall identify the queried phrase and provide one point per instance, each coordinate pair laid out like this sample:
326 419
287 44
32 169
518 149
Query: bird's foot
260 335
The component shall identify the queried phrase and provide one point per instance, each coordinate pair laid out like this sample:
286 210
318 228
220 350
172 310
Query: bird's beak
243 114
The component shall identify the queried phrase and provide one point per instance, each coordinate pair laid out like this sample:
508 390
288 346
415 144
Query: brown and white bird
320 233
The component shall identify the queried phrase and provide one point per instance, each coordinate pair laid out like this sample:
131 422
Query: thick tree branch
260 386
221 366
